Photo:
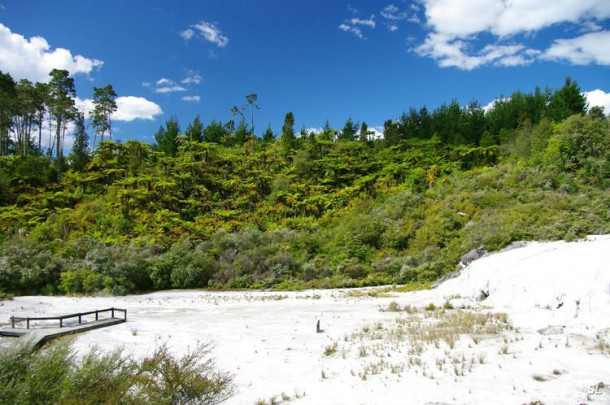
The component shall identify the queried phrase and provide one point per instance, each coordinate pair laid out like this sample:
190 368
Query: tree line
25 106
216 206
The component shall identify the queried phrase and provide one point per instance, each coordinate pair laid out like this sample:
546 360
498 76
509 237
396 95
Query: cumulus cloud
34 58
502 18
599 98
207 31
456 26
132 108
583 50
192 99
451 52
129 108
84 105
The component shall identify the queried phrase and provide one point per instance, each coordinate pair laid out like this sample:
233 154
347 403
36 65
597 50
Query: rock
551 330
473 255
448 276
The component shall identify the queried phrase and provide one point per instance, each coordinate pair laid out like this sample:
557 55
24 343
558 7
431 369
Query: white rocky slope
555 347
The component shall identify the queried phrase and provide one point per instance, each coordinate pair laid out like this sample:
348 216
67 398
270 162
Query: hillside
331 209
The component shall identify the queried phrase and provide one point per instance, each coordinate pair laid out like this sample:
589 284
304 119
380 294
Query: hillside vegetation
217 207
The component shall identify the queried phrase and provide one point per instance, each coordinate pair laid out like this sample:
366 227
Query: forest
215 206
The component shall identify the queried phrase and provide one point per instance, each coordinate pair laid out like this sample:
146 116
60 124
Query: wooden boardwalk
37 331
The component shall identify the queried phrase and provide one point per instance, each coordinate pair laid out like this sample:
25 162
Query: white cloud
169 89
354 30
455 28
590 26
392 12
131 108
207 31
583 50
84 105
599 98
192 77
451 52
369 23
353 25
377 133
164 85
187 34
33 58
505 18
194 99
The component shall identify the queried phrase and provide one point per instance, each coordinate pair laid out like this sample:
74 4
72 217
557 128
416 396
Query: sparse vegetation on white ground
541 334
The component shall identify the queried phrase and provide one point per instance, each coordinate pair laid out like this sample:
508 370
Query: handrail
62 317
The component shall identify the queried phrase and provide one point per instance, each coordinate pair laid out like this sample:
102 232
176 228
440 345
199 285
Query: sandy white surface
268 340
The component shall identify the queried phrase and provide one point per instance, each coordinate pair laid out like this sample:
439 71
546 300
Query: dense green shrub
57 375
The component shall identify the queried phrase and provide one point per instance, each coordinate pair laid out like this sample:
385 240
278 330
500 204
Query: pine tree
241 132
8 94
287 139
214 132
364 132
268 136
391 133
194 131
61 106
567 101
104 105
80 149
167 137
349 130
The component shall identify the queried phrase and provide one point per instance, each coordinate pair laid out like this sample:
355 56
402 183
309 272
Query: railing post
61 322
112 312
125 315
80 318
13 322
96 314
27 323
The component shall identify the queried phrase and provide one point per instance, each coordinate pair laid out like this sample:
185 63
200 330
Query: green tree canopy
104 102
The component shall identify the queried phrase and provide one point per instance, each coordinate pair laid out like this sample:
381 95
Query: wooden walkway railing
61 318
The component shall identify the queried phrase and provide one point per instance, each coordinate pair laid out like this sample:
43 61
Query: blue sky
369 60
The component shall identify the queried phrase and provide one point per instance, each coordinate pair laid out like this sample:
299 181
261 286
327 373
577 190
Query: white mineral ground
556 296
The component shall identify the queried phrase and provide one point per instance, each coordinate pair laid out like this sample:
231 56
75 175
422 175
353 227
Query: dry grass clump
399 345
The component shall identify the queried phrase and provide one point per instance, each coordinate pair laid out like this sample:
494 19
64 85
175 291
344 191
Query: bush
56 375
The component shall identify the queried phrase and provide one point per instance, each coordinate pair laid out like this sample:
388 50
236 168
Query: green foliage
288 139
195 130
167 138
80 149
104 104
214 132
56 375
567 101
314 211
